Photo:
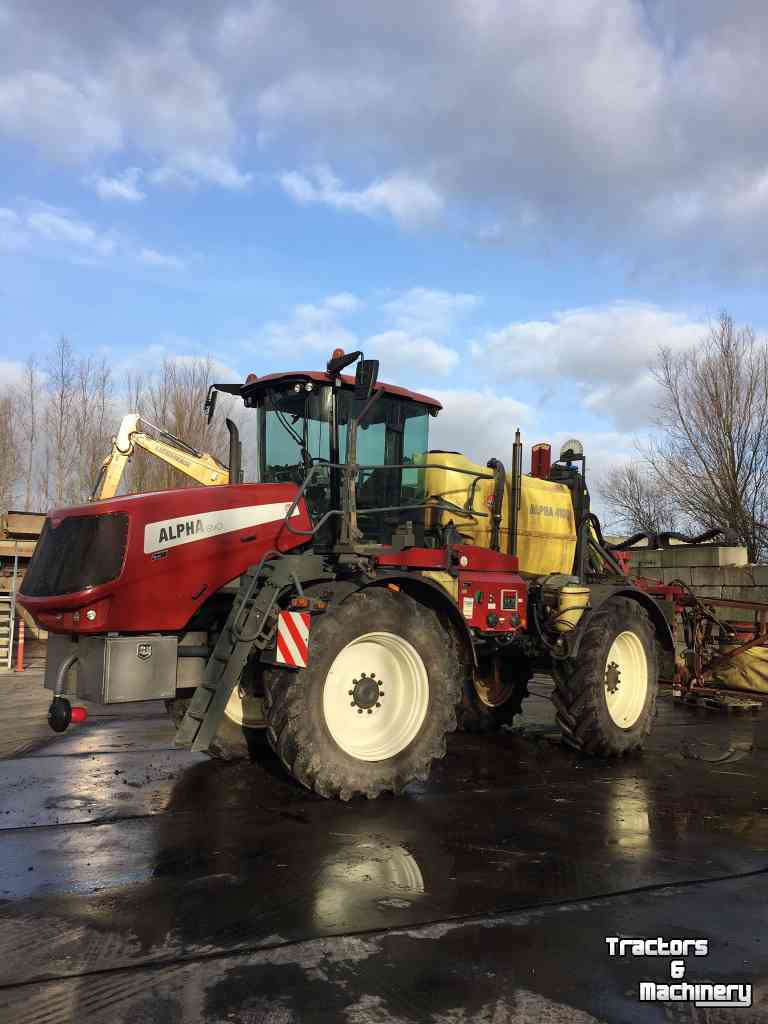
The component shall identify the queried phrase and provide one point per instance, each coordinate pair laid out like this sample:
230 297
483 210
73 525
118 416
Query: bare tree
711 452
10 463
64 415
28 410
60 441
637 500
172 401
92 416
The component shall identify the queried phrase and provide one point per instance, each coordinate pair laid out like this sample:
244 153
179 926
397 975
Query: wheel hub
612 677
366 693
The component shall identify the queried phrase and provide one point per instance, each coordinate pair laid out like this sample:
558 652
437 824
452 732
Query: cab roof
253 386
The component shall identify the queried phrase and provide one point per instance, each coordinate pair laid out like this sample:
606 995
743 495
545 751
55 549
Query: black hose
499 483
61 675
662 540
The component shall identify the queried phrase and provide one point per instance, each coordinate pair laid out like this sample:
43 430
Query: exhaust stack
515 491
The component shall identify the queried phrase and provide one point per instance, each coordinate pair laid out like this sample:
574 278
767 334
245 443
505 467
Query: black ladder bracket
250 624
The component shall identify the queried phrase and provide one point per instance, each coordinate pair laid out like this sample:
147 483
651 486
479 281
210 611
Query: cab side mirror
210 402
365 378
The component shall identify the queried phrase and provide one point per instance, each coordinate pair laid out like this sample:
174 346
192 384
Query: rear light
79 714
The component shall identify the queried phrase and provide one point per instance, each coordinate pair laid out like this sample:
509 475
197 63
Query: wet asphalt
142 883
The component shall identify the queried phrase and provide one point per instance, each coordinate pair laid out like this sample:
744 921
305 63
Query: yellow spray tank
546 530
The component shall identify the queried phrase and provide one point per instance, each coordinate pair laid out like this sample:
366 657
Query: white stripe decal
168 533
292 650
303 628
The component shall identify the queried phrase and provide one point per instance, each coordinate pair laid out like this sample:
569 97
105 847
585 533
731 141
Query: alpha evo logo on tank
168 533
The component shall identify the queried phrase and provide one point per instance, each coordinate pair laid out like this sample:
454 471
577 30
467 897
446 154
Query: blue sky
511 205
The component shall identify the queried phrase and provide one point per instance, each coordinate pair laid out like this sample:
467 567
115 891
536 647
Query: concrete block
743 593
705 592
735 615
644 559
683 573
702 555
723 575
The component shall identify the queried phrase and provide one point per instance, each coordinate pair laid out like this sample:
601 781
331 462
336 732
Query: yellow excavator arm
199 466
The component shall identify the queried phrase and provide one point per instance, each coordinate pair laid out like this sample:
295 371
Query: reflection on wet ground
138 877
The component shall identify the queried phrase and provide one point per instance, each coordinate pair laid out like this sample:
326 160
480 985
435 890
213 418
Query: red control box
493 602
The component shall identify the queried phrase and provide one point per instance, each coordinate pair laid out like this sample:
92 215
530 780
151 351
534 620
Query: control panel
493 602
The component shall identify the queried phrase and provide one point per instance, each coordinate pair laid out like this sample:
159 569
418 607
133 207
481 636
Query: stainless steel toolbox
114 670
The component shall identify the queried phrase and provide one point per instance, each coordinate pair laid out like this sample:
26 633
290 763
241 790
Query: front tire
606 698
372 709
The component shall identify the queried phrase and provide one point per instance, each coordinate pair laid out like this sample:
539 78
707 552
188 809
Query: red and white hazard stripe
293 639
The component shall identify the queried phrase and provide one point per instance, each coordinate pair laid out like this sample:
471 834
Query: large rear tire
606 698
494 699
372 709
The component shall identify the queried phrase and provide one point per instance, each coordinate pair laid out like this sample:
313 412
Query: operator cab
303 422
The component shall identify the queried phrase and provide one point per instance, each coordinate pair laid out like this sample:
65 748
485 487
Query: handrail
393 508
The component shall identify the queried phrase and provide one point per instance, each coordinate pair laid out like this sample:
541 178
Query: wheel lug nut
351 693
370 711
377 704
373 675
351 703
359 711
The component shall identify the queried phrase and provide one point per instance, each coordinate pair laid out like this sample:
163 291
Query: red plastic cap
79 714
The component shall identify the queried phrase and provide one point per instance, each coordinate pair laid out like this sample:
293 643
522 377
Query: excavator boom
199 466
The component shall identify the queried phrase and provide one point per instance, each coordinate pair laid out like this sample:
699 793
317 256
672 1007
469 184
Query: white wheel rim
626 679
245 709
388 701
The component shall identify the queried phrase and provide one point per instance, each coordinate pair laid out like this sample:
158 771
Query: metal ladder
250 625
7 622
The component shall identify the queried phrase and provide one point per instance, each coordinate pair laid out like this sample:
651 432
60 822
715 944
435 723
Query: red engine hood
182 546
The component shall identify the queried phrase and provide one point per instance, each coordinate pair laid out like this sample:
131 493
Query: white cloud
123 186
188 169
56 225
13 235
606 351
153 258
478 423
404 347
591 116
311 327
100 96
36 223
71 121
587 119
401 351
430 310
409 200
343 302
